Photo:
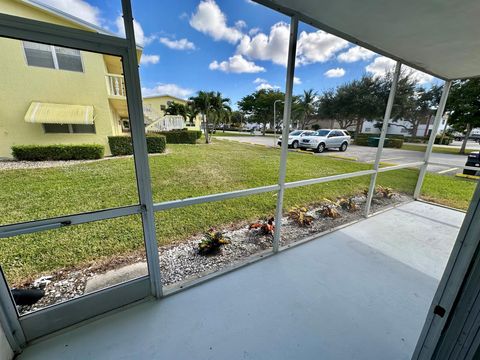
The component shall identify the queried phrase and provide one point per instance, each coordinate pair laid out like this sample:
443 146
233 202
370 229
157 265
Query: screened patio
351 293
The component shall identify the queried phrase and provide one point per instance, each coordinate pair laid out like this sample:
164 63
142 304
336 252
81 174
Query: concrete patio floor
361 292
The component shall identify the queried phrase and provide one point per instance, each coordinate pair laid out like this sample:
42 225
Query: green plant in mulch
348 205
264 228
212 242
329 210
300 217
385 192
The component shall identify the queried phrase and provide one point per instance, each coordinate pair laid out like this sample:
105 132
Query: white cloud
240 24
312 47
236 64
381 65
167 89
267 86
140 37
355 53
318 46
259 81
149 59
333 73
273 47
254 31
209 19
297 80
182 44
78 8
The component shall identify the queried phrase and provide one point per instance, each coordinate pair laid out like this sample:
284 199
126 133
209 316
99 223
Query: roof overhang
439 37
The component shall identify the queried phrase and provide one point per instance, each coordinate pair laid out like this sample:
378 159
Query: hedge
122 145
181 136
57 152
392 141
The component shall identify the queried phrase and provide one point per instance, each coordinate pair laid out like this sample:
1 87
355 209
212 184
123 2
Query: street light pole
274 118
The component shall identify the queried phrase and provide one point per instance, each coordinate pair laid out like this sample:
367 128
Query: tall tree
202 102
213 106
307 106
258 106
191 112
464 107
221 109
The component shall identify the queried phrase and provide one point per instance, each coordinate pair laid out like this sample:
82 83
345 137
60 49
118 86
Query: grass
185 171
436 149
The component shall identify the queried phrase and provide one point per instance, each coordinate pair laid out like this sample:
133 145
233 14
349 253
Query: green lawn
436 149
185 171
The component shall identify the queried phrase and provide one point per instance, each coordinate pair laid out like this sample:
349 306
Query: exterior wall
6 352
369 128
22 84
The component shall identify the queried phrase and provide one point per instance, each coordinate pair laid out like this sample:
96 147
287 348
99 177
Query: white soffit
440 37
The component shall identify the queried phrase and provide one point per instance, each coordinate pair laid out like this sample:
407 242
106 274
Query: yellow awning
46 113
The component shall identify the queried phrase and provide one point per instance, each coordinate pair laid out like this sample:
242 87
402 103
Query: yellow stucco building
55 95
159 103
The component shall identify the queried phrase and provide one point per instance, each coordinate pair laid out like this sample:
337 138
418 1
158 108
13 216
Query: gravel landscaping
180 262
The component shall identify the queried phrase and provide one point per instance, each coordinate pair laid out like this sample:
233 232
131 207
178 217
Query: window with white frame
69 128
53 57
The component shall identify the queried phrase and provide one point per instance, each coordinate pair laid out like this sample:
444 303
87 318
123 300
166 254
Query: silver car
326 139
295 136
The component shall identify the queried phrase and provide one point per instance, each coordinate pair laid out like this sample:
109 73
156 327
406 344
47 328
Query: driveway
367 154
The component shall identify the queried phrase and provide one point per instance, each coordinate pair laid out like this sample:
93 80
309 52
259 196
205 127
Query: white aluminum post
383 135
292 51
431 140
135 111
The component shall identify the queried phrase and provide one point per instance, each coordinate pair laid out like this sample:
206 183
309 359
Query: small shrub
385 192
181 136
212 242
300 217
392 141
265 228
57 152
329 210
122 145
349 205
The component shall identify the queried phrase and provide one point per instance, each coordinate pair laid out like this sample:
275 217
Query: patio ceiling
439 37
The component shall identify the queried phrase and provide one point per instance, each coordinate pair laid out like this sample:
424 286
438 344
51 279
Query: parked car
472 160
326 139
294 137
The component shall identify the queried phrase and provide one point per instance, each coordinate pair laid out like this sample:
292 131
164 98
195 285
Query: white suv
295 136
326 139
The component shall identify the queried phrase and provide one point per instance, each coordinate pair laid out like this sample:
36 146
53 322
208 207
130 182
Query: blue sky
232 46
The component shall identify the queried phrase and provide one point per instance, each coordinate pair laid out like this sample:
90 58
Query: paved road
367 154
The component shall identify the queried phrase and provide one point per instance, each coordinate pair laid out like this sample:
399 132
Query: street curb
465 176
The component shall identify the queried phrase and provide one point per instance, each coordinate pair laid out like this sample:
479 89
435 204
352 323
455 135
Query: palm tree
202 103
307 105
220 108
211 105
191 111
176 109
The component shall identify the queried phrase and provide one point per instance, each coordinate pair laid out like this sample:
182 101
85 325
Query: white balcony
115 85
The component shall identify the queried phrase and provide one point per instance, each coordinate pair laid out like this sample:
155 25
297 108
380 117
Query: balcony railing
115 85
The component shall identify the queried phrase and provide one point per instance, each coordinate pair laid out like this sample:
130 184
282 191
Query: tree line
349 105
